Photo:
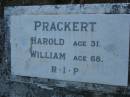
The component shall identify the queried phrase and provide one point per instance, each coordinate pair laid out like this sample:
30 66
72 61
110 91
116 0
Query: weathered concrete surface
4 89
35 87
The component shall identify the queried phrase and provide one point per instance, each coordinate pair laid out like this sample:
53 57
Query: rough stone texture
17 86
28 2
3 69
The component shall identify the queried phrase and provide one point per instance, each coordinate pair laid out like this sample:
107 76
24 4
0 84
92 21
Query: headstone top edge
68 8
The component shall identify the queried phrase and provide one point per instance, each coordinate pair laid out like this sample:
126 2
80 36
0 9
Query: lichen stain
111 48
27 66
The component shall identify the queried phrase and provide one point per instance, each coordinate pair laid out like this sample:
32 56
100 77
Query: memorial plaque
91 48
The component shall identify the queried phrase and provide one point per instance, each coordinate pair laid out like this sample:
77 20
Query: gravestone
69 46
